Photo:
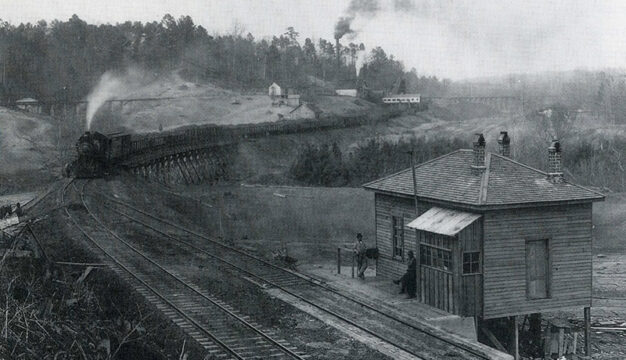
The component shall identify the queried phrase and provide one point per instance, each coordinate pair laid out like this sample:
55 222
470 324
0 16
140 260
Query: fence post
353 264
338 260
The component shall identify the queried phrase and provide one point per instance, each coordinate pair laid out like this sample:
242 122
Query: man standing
408 280
361 259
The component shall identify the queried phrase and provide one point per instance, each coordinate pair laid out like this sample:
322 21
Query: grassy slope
267 159
310 222
23 140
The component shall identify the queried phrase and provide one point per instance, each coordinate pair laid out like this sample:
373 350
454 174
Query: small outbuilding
274 90
293 100
493 238
402 99
346 92
29 104
304 111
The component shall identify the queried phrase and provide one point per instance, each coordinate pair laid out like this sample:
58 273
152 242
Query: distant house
293 100
346 92
304 111
274 90
29 104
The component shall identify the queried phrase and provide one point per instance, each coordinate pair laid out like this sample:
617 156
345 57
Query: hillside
188 103
28 148
30 142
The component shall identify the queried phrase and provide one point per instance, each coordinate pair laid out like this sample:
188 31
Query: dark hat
359 236
410 253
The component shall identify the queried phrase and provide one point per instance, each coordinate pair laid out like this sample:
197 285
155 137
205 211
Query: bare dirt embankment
29 156
188 103
24 139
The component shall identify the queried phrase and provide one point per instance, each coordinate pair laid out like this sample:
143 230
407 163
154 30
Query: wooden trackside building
493 237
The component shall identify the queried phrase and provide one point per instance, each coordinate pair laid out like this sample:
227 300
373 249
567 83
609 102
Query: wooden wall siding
470 236
471 295
568 229
471 286
386 207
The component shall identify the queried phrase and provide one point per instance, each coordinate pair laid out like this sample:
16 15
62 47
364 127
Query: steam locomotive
99 154
92 149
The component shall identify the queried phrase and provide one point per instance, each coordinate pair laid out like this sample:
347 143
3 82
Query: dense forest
61 61
325 165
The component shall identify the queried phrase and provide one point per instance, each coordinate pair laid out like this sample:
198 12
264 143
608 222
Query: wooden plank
422 292
587 316
492 338
437 286
515 338
457 267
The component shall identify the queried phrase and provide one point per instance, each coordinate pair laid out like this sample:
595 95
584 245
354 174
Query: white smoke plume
361 57
113 85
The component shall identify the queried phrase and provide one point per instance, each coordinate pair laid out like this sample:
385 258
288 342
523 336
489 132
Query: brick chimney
555 171
478 165
505 144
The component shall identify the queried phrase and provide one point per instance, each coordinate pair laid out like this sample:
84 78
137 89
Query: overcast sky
454 39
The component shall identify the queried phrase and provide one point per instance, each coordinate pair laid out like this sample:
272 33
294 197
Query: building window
471 262
435 257
537 269
397 224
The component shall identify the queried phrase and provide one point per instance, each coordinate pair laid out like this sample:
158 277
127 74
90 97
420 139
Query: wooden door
436 276
537 274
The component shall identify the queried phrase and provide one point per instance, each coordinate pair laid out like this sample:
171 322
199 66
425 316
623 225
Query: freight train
99 154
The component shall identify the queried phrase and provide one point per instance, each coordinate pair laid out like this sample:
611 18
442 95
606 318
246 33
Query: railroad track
220 329
416 339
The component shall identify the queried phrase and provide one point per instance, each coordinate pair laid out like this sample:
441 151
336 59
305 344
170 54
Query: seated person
408 281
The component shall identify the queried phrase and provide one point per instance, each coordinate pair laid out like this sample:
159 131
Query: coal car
99 154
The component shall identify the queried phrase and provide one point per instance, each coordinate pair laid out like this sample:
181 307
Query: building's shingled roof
313 108
403 95
503 182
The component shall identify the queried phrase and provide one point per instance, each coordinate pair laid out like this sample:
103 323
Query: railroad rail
420 340
219 328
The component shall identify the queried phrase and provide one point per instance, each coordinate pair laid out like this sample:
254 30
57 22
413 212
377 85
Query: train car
119 146
100 154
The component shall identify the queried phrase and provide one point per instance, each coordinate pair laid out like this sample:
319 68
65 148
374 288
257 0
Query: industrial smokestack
343 27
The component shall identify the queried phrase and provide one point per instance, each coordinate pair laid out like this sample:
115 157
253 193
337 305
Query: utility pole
417 238
522 96
414 181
